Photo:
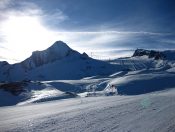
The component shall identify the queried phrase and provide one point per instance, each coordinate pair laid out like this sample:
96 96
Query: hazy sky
105 28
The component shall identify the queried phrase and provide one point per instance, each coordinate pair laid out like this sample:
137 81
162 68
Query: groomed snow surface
142 113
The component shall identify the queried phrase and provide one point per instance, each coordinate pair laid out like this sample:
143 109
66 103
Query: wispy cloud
94 39
169 41
22 30
117 32
4 3
27 27
11 60
24 8
56 15
5 55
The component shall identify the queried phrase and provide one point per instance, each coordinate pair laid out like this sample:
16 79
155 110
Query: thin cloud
170 41
57 15
35 33
11 60
22 30
30 9
4 3
117 32
2 47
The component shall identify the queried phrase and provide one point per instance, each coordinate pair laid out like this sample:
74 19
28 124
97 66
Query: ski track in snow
133 64
144 113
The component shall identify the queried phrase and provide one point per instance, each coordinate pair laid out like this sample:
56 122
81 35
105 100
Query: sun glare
25 34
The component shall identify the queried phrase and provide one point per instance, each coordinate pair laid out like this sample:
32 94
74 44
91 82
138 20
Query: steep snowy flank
57 51
4 70
169 54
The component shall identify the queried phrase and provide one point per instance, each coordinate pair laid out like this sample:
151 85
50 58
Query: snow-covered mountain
166 55
60 69
59 50
57 62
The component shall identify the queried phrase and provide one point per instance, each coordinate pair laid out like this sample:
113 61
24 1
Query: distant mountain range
60 62
60 72
57 62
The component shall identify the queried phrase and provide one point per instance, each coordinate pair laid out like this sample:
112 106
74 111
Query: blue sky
106 28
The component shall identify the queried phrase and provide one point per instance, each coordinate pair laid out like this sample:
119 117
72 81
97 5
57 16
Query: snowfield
152 112
136 75
50 91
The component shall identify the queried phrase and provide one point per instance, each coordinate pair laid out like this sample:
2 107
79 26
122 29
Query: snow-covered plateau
59 89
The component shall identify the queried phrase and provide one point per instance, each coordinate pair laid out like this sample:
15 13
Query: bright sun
25 34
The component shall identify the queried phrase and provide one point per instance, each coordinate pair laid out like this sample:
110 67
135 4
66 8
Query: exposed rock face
150 53
84 56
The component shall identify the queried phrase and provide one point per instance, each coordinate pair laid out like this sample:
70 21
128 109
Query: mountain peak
57 51
59 45
59 42
150 53
59 48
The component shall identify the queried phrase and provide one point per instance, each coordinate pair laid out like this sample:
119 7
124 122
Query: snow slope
57 51
131 76
143 113
149 81
57 62
21 93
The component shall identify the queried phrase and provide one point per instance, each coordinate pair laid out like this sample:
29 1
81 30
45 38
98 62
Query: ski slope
138 75
145 100
141 113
